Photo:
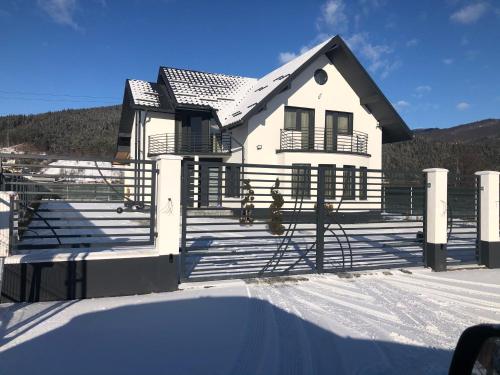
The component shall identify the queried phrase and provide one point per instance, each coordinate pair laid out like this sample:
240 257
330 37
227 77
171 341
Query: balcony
170 143
322 140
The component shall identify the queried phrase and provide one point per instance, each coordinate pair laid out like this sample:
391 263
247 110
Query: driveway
398 321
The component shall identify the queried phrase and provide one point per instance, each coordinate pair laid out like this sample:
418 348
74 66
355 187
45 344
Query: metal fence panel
65 203
291 219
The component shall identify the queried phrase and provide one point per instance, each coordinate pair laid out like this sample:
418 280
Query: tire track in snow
297 358
362 325
260 340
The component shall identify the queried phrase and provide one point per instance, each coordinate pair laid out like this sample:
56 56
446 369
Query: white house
321 108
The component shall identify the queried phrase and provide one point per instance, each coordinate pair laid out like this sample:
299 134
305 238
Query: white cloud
470 13
368 5
462 106
61 11
376 54
400 104
423 89
285 57
333 19
333 15
412 42
448 61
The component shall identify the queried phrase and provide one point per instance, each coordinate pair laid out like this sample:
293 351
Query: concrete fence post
436 218
168 218
6 199
6 207
489 240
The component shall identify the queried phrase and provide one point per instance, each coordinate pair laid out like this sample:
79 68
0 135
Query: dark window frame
349 182
363 183
232 181
309 142
330 188
301 182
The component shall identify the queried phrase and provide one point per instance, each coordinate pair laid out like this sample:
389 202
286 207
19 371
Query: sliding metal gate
65 204
275 220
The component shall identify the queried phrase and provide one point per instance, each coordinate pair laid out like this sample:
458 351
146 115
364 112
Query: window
330 183
300 120
349 191
363 183
320 77
232 181
336 124
301 181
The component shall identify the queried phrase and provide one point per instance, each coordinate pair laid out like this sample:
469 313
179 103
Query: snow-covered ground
390 322
75 168
97 223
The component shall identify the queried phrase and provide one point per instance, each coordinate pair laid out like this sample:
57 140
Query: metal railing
62 203
172 143
323 140
250 220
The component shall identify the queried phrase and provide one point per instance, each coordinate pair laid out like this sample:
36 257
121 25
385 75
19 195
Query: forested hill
90 132
462 149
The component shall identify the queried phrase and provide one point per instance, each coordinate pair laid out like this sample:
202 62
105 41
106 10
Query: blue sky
436 60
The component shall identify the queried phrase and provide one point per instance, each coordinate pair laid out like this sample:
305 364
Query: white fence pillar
489 239
168 204
436 218
5 214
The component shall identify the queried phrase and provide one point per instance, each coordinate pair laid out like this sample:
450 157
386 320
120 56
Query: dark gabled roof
394 129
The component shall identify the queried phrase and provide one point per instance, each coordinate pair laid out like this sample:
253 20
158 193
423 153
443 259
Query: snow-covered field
390 322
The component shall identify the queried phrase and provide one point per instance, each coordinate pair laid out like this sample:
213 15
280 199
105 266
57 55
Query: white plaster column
168 210
489 240
436 218
5 213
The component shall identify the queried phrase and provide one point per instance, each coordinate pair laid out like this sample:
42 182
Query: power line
52 94
57 100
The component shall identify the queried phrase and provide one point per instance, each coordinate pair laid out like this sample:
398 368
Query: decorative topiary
276 219
246 203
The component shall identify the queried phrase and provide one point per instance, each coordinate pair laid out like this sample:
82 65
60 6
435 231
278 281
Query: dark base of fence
435 256
78 279
489 254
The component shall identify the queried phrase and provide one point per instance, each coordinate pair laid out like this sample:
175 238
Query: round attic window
320 77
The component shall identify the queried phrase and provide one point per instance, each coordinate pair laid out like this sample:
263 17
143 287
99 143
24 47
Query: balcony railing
323 141
171 143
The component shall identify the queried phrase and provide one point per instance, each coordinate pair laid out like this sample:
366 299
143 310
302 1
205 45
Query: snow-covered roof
235 98
144 94
232 96
217 91
266 85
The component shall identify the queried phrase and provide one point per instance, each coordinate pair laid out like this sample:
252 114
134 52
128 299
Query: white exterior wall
155 123
261 134
336 95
